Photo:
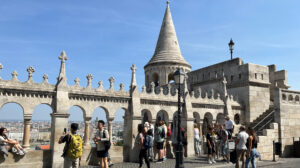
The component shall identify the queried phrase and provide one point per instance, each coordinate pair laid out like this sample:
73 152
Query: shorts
159 145
102 154
211 150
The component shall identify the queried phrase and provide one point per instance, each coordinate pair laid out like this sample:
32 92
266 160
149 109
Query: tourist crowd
152 143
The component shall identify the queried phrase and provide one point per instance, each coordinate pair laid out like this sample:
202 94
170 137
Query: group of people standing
152 140
218 137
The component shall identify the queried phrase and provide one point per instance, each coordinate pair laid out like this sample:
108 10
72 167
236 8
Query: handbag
107 144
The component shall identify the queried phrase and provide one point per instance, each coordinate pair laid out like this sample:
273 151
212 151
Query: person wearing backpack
73 147
159 138
103 144
144 143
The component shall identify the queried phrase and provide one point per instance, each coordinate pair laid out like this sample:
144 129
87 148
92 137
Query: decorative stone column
26 134
87 123
110 125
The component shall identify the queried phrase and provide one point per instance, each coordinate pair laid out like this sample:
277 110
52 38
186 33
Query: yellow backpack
75 146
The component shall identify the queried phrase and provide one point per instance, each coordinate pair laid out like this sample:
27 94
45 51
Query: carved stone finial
14 75
45 77
133 76
152 86
1 67
111 83
143 89
30 71
77 80
121 87
63 57
100 86
89 77
133 68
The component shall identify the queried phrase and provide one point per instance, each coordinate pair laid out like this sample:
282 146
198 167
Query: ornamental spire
62 78
167 47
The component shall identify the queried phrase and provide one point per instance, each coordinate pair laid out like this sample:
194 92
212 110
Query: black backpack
148 142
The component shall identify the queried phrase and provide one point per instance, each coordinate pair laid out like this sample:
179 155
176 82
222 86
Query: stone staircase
263 121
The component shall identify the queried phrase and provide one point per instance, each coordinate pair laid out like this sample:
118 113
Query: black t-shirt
66 139
209 138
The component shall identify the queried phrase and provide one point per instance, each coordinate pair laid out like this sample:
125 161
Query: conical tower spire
167 47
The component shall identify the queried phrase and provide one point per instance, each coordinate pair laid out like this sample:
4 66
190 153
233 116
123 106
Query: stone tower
167 56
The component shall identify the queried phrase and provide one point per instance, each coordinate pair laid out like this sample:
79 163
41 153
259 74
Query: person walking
251 148
165 140
241 147
229 126
150 150
73 147
159 138
210 146
143 145
224 143
102 139
196 140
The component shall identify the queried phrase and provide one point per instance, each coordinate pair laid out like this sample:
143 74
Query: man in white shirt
229 126
240 146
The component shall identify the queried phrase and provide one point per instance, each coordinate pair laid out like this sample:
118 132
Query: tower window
255 75
231 77
240 76
262 76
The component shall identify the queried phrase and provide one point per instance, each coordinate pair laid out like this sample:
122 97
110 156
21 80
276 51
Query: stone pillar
26 134
87 124
190 136
58 123
110 125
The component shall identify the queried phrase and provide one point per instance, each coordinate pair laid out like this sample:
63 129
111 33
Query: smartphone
65 130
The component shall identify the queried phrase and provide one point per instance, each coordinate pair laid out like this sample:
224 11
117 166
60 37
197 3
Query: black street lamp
179 77
231 45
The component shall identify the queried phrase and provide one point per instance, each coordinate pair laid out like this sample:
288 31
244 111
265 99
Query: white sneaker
209 162
213 161
24 151
20 153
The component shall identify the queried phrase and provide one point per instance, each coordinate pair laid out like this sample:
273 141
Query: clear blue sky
105 38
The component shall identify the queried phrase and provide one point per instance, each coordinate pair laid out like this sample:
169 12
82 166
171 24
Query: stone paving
201 162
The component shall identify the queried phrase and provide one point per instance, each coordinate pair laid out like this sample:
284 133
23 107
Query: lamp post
231 45
179 77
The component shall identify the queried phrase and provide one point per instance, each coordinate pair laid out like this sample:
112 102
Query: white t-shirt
1 140
242 136
229 124
196 133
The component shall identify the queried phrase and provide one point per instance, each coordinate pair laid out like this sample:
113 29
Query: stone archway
146 116
207 121
162 115
220 119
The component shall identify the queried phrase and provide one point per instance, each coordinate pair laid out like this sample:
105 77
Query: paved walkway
201 162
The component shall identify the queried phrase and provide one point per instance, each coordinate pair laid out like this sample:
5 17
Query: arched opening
207 121
12 119
220 119
171 78
99 113
155 79
297 98
162 116
41 127
290 97
283 97
118 128
76 116
146 116
237 119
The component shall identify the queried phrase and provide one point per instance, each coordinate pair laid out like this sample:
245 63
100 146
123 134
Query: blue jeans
196 146
252 158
